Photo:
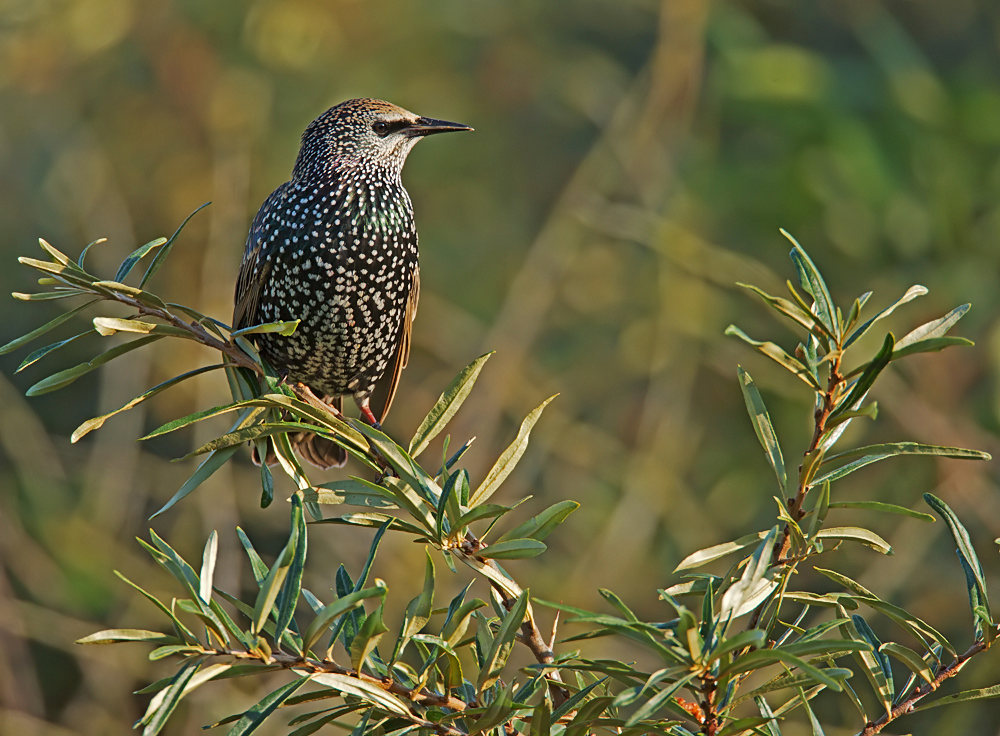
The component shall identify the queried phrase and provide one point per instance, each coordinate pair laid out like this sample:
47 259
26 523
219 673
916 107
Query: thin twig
326 666
943 673
530 634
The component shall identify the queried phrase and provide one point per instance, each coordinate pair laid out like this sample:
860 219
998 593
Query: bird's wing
385 389
254 268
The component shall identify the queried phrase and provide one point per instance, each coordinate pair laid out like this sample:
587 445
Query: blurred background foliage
631 161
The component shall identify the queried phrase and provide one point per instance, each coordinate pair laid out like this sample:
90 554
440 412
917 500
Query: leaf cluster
736 651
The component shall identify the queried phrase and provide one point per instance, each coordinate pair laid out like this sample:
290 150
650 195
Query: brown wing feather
254 269
385 389
248 288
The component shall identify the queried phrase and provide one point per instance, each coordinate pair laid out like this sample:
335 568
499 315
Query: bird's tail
315 450
319 451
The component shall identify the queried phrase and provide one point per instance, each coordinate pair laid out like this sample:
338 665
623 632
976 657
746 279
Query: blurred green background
631 162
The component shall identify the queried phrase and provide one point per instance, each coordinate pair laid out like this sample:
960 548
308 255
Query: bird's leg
366 413
368 416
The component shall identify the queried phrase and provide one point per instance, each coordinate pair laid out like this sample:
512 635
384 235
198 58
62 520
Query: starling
336 248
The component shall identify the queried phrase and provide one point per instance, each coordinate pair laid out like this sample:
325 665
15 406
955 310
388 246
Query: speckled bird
336 248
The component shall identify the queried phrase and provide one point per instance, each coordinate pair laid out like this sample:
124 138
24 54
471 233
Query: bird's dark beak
428 126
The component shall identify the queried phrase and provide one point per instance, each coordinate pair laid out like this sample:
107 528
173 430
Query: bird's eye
381 128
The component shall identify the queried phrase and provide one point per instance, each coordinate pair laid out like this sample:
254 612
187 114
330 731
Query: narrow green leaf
108 326
874 453
855 313
271 586
513 549
658 701
856 534
912 293
754 638
208 559
61 293
291 588
710 554
57 254
375 520
209 465
257 565
791 310
196 417
41 352
97 422
886 508
982 693
762 426
172 650
778 355
345 586
138 294
825 648
413 482
819 511
509 458
930 345
254 717
812 281
83 253
454 630
114 636
418 612
183 632
817 729
754 585
352 492
285 329
156 718
448 505
369 633
760 658
866 410
340 606
67 273
66 377
161 256
172 562
963 542
935 328
910 658
47 327
367 691
861 387
503 642
138 254
446 406
917 628
875 661
766 712
540 526
480 512
247 433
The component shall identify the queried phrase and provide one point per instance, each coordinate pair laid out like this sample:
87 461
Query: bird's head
365 132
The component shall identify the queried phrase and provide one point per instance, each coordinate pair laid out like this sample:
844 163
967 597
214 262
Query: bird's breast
342 260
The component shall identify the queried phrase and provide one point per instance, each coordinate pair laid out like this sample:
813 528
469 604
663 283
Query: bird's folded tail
315 450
